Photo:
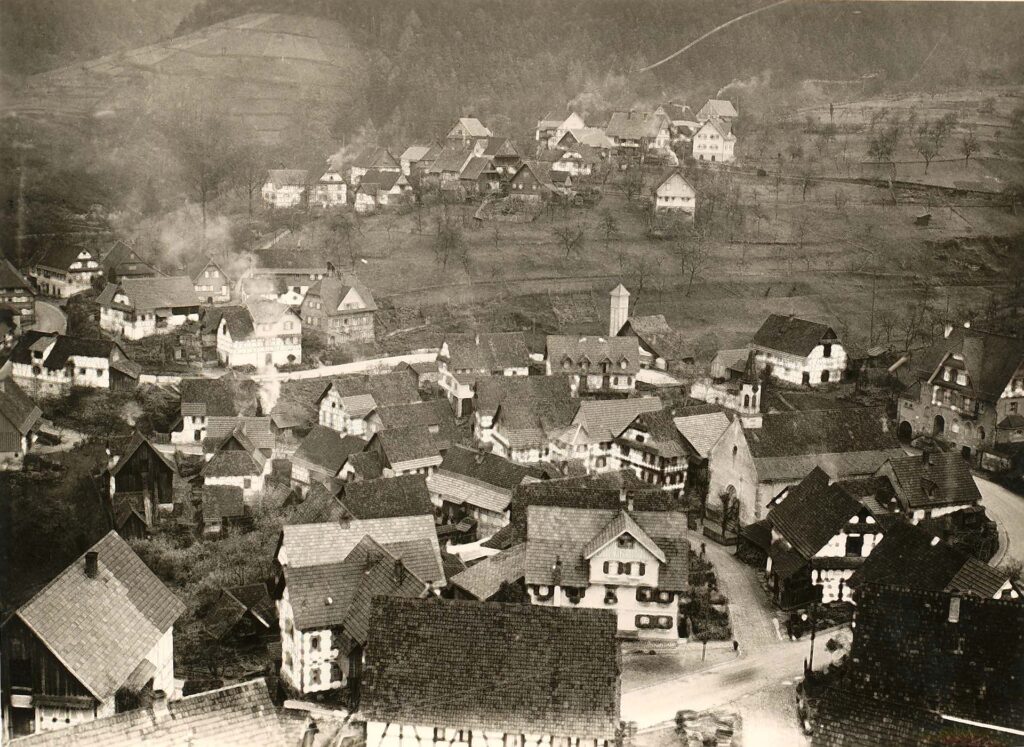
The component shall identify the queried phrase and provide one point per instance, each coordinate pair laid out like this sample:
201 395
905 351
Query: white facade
713 144
251 485
311 661
212 286
675 194
65 283
277 343
81 370
284 196
331 190
193 430
824 364
390 734
136 325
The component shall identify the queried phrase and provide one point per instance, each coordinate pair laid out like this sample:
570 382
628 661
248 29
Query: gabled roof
377 180
121 253
496 146
785 434
717 108
207 398
990 359
64 348
401 446
332 292
474 127
722 129
436 415
222 502
388 497
17 407
813 513
556 671
256 428
361 394
590 136
451 159
574 349
101 628
327 449
248 461
485 578
493 391
672 175
622 524
138 441
10 278
375 158
601 420
291 260
487 467
195 268
229 606
287 177
634 125
62 256
414 153
487 351
241 715
148 294
476 167
702 431
789 334
462 490
662 435
931 480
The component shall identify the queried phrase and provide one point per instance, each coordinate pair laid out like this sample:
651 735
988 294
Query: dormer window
826 350
626 541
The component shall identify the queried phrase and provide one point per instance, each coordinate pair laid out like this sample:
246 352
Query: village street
50 318
1007 509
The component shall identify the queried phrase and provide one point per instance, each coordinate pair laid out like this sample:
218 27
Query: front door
270 359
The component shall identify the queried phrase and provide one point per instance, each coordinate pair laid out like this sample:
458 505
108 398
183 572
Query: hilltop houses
260 334
342 308
140 307
66 270
285 188
674 194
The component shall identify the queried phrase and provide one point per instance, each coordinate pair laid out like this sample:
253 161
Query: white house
595 364
238 462
373 158
799 351
378 188
347 402
330 190
285 188
138 307
675 194
263 333
634 563
551 129
212 284
49 363
714 141
589 440
66 270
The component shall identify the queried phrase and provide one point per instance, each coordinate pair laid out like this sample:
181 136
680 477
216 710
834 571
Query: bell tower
619 311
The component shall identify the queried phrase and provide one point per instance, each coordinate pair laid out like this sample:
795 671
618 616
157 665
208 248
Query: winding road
1007 509
50 318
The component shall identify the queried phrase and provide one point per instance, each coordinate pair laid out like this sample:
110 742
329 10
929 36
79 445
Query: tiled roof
122 254
321 504
17 407
990 359
147 294
375 158
573 349
798 433
487 468
556 670
554 532
288 177
634 125
492 391
367 465
257 428
10 278
488 351
404 445
233 716
789 334
337 594
238 321
912 557
414 153
387 497
702 431
474 127
604 419
332 292
531 423
451 159
207 397
662 435
593 137
932 479
298 261
101 628
499 146
360 394
460 489
244 462
813 513
229 606
222 502
327 449
136 442
64 347
61 256
199 264
477 166
623 523
375 179
484 579
411 538
718 108
435 414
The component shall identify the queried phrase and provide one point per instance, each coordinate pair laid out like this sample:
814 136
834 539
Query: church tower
619 312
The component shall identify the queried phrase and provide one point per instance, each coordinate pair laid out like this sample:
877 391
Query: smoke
366 137
270 389
176 238
752 91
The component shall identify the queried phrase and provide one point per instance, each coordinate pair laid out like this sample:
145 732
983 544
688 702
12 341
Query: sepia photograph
511 373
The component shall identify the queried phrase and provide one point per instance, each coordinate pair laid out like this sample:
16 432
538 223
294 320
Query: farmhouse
331 190
66 270
969 392
412 675
46 362
17 294
596 364
653 448
19 418
91 643
466 130
463 359
551 129
238 461
343 308
381 498
321 456
576 161
395 451
141 307
446 169
435 414
674 194
715 142
542 392
798 351
635 563
480 176
529 183
285 188
378 188
500 151
588 441
264 333
933 484
634 131
379 159
587 137
417 158
717 108
202 399
347 401
122 261
211 283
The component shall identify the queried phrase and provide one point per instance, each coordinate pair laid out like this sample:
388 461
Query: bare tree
250 171
929 140
608 225
570 238
693 251
968 143
449 245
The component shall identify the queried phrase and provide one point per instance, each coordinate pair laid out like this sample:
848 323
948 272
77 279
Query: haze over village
511 374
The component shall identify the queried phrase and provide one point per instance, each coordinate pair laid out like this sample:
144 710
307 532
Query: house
799 351
379 159
202 399
239 462
122 261
321 455
717 108
19 419
257 428
462 359
576 161
466 130
530 407
530 183
501 152
285 188
66 270
446 169
660 345
347 401
379 188
555 675
700 426
674 194
221 507
715 142
587 137
596 364
418 158
47 362
394 452
434 414
730 364
820 533
495 578
653 448
478 485
681 115
342 307
385 498
933 484
588 440
480 176
551 129
17 293
754 460
634 132
211 283
139 307
285 275
913 558
330 190
89 643
924 668
969 392
240 615
237 715
144 470
261 334
634 563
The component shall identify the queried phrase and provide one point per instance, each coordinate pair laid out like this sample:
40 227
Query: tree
693 252
570 238
968 143
449 244
929 140
250 171
608 225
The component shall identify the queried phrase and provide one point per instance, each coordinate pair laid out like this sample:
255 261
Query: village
327 519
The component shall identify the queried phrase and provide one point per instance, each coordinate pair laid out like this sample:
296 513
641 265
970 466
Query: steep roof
375 158
990 359
17 407
484 579
64 347
288 177
492 391
487 351
241 715
634 125
361 394
405 495
601 420
276 259
788 334
436 414
410 444
499 146
195 267
672 175
256 428
121 253
487 467
451 159
786 434
555 672
702 431
574 349
62 256
332 291
10 278
474 127
414 153
932 479
379 180
136 442
207 397
662 435
718 108
327 449
101 628
813 512
222 502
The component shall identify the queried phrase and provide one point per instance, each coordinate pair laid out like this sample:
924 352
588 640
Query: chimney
310 735
91 563
954 609
399 571
160 710
556 571
622 496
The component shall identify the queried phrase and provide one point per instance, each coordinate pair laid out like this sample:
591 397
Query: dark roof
406 444
813 512
222 502
147 294
405 495
789 334
574 349
499 146
327 449
375 179
332 292
287 177
61 256
451 159
194 268
634 125
484 579
240 715
556 670
207 398
122 254
320 504
395 388
10 278
935 478
487 351
486 467
101 628
911 557
293 260
492 391
663 436
17 407
229 606
822 432
234 463
374 158
136 442
435 414
64 347
367 465
990 359
478 166
238 320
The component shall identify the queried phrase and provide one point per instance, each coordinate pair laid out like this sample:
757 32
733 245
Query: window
961 378
81 372
826 350
643 621
1013 407
824 376
247 483
439 734
607 567
314 676
464 735
644 594
513 740
854 545
314 643
665 622
611 595
947 374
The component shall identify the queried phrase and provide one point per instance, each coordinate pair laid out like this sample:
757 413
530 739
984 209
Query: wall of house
922 513
212 285
331 194
791 368
960 429
731 465
333 415
81 370
161 656
254 482
193 430
135 326
389 734
307 656
282 350
288 195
